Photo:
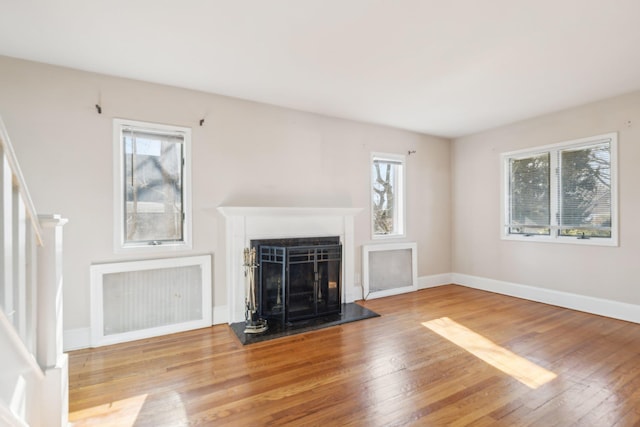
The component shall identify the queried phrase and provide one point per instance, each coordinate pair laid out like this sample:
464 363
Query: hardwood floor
402 368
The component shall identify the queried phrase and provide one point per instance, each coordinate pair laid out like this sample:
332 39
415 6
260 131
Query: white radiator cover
389 269
141 299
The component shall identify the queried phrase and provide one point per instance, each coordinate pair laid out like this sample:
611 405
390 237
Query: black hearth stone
350 313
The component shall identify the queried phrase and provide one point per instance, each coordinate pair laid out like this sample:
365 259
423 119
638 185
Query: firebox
298 278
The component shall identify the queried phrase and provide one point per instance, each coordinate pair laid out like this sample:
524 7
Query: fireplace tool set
253 324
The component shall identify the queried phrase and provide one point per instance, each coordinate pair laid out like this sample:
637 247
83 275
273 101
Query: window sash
585 191
529 195
153 187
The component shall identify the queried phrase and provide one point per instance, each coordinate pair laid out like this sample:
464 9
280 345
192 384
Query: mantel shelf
230 211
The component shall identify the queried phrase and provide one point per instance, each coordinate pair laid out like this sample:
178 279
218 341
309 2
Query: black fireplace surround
298 278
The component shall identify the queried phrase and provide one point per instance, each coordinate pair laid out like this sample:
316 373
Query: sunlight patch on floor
519 368
126 411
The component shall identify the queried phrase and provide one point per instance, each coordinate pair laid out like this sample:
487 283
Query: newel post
50 355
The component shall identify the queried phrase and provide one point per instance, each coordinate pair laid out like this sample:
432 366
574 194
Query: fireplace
244 224
298 278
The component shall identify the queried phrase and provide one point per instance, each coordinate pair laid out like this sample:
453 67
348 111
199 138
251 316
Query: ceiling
442 67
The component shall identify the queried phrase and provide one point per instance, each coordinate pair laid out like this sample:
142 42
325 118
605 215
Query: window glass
153 186
387 197
529 202
585 194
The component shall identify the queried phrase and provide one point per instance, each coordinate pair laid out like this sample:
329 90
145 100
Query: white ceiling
442 67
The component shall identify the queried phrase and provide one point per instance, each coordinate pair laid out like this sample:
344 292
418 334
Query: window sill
388 236
145 248
563 240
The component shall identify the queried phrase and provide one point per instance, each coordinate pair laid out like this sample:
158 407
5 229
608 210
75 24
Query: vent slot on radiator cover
141 299
389 269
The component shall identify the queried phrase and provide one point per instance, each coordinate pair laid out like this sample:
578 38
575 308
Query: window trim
553 149
118 187
401 203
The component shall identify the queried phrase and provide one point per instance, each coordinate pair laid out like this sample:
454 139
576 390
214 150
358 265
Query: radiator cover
389 269
141 299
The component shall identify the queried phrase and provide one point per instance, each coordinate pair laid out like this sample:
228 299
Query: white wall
245 154
610 273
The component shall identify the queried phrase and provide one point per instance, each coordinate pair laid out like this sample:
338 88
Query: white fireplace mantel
229 211
246 223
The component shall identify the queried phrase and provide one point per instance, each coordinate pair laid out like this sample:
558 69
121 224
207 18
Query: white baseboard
434 280
599 306
423 282
76 339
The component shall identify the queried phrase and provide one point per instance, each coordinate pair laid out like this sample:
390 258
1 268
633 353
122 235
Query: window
152 206
564 192
387 195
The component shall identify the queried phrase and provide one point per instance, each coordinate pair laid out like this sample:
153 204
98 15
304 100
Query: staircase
33 368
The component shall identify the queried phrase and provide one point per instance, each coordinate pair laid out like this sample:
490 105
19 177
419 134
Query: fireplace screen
299 278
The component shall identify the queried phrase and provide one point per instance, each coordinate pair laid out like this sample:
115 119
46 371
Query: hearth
298 278
350 312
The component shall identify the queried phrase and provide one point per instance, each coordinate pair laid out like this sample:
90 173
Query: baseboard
599 306
76 339
434 280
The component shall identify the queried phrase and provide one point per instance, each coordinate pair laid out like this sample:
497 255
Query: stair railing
33 367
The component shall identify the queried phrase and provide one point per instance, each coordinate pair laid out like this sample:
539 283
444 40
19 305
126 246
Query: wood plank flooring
387 371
